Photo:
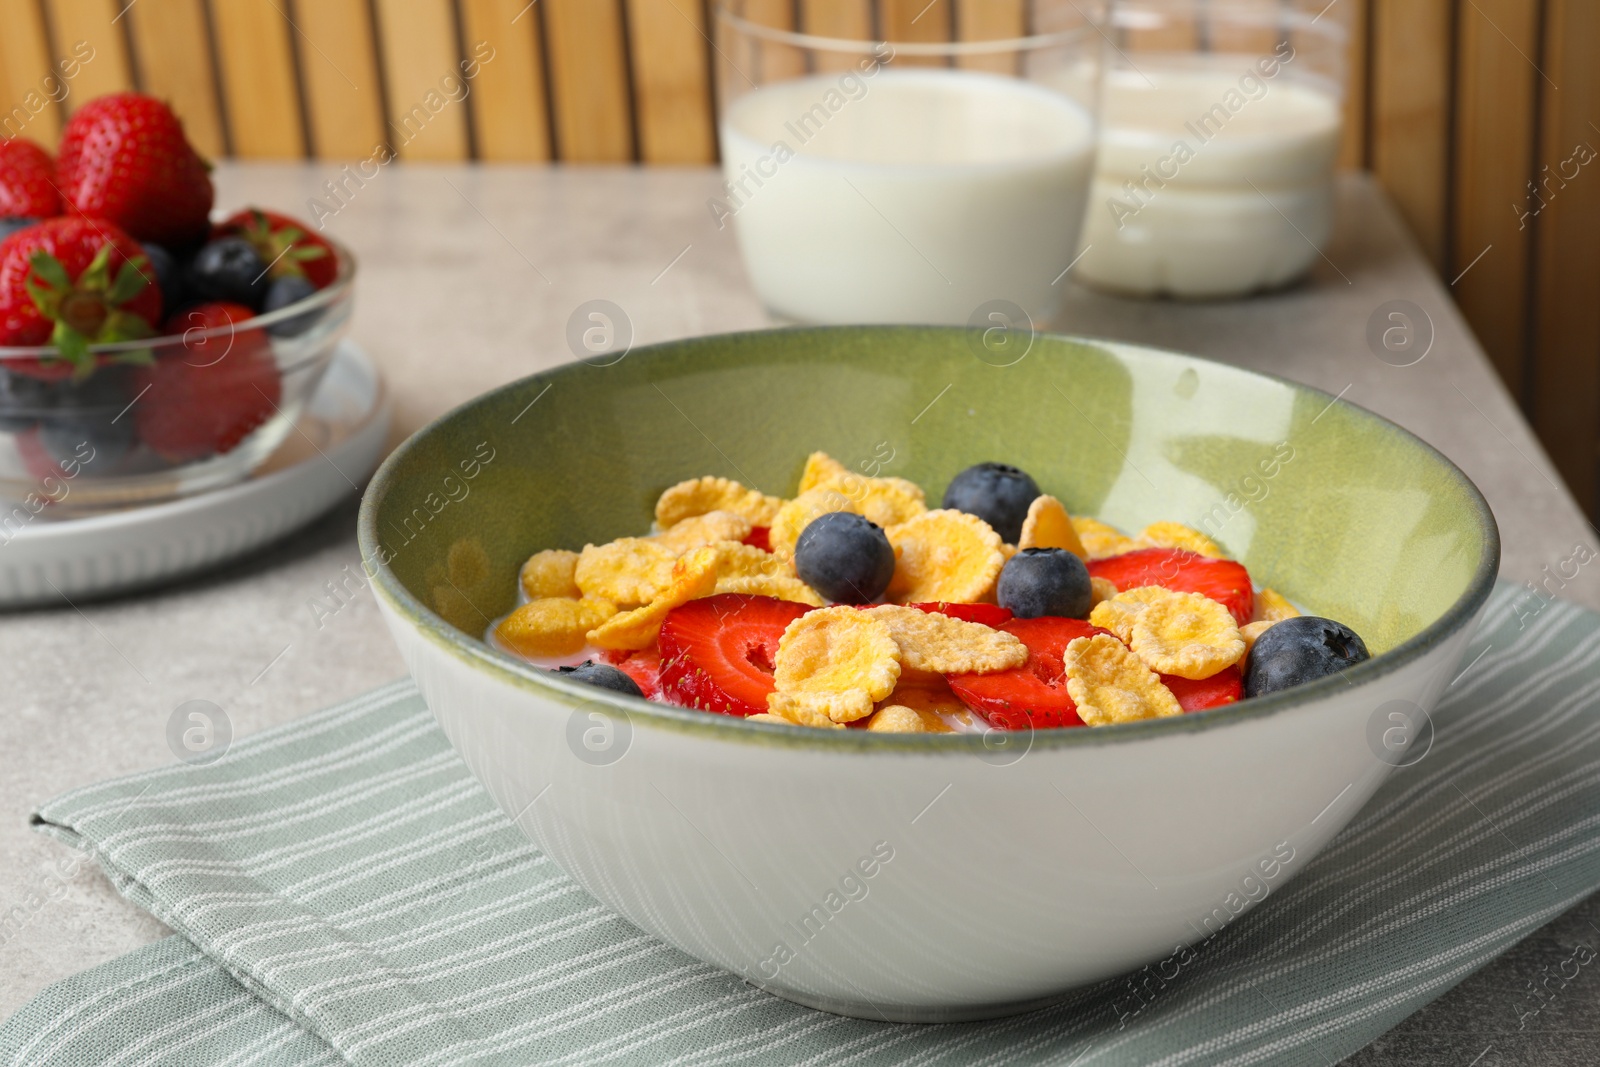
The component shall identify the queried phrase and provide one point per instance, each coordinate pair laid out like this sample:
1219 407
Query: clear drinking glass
915 182
1220 129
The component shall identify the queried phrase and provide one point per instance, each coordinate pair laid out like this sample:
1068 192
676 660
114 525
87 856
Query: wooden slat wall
1456 106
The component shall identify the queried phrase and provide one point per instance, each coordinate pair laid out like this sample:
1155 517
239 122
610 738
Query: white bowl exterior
995 887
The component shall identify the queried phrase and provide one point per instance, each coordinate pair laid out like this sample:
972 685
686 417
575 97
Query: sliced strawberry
987 614
717 652
1223 580
643 667
760 537
1034 695
1224 687
208 395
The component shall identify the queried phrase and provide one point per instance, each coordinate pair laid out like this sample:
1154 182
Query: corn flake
777 586
886 501
944 555
629 571
944 645
693 576
550 574
553 626
899 719
837 661
1110 685
699 496
1100 540
705 529
735 560
1271 606
802 511
1177 535
1120 611
1188 635
827 710
1252 631
1101 590
1049 526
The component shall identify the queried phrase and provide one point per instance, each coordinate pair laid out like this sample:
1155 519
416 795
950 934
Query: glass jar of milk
1220 125
911 181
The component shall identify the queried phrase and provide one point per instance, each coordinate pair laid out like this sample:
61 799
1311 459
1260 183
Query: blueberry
1300 650
169 277
603 675
23 399
229 268
995 492
11 224
845 557
91 415
290 289
1045 581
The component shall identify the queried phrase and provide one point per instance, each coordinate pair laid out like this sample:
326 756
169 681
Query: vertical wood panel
258 80
990 20
671 87
849 20
339 71
1566 387
774 61
510 121
1353 139
588 80
91 20
422 79
917 21
174 61
1495 98
29 107
1411 114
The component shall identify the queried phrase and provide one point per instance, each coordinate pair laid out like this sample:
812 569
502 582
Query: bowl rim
343 281
524 675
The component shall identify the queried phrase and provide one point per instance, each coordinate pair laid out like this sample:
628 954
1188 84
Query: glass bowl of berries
148 350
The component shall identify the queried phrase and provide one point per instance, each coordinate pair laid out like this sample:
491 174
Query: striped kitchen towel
344 892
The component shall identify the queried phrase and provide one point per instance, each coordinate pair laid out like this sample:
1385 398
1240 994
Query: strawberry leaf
49 271
130 281
96 277
74 348
124 326
46 299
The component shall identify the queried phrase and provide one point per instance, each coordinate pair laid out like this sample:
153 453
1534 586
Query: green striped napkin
344 892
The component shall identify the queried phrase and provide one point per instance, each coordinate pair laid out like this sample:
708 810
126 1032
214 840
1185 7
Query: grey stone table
469 275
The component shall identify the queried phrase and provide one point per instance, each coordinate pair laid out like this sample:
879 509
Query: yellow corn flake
1120 611
802 511
841 656
1110 685
693 576
705 529
944 555
735 560
765 717
899 719
550 574
1101 590
1100 540
944 645
1049 526
553 626
777 586
629 571
1188 635
1177 535
885 501
1272 607
827 710
1252 631
699 496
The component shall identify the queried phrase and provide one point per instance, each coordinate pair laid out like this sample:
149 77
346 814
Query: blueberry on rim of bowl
289 289
231 269
845 557
1300 650
603 676
1045 581
997 493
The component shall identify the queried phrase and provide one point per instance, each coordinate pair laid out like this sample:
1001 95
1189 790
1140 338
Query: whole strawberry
72 282
27 181
287 244
123 157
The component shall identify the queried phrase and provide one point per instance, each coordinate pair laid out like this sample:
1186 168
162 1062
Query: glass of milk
1220 125
929 181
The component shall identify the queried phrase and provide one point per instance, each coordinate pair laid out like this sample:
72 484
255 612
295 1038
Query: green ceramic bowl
1344 513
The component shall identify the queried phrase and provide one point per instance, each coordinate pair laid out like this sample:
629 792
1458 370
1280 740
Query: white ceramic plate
337 444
